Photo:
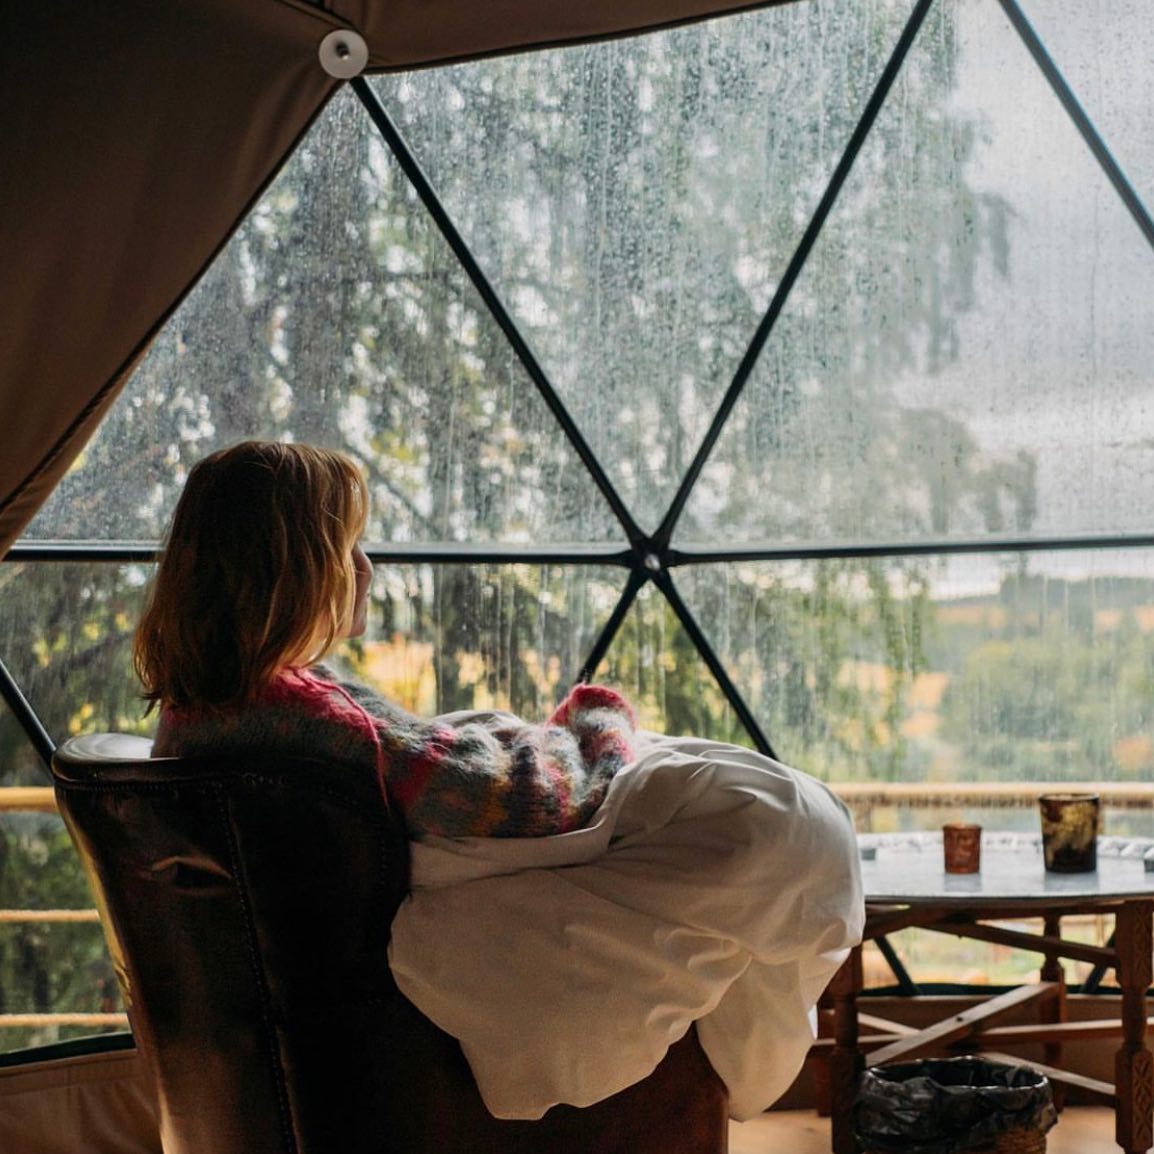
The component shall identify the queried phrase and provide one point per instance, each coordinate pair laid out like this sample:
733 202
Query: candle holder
962 847
1069 832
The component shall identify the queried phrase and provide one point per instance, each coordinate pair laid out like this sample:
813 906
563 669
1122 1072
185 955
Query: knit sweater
495 778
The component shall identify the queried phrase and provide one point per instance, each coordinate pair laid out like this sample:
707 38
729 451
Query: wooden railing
866 797
858 794
863 799
42 799
28 799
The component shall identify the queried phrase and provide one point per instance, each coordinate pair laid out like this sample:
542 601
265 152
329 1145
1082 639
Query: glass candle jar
1069 831
962 847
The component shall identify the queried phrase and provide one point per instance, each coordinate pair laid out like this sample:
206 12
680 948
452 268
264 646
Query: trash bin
951 1106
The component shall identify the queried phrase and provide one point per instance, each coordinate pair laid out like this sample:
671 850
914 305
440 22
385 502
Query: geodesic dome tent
789 368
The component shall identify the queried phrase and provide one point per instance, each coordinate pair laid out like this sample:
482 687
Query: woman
261 575
600 899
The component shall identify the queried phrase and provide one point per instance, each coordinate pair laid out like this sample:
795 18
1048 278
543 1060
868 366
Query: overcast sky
1059 357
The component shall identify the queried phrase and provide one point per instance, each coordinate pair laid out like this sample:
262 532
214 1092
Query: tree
1059 687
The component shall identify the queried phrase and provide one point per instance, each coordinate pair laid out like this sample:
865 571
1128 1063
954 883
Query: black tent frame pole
432 202
809 238
664 582
382 554
907 987
637 578
27 718
1082 121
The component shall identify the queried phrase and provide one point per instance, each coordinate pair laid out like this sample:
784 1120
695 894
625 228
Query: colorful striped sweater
500 777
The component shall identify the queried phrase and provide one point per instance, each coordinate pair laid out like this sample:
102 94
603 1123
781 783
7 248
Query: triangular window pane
634 203
968 350
338 315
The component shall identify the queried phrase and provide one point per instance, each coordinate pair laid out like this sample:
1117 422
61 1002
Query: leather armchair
247 904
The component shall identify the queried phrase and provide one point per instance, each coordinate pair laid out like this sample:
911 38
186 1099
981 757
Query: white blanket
713 886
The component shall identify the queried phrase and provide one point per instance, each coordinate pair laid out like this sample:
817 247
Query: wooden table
906 885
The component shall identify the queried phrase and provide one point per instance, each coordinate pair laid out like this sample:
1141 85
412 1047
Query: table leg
1134 1064
820 1067
845 1061
1054 1010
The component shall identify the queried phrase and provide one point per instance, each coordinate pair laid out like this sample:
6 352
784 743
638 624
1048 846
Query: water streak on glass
66 636
968 352
337 315
656 664
1104 52
635 202
19 762
506 637
1027 667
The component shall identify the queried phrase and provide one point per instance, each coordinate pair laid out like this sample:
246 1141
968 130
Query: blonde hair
256 575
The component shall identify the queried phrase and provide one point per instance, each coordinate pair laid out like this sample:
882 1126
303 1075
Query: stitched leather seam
215 781
287 1127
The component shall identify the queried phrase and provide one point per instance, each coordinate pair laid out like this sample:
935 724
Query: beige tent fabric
97 1103
407 33
135 135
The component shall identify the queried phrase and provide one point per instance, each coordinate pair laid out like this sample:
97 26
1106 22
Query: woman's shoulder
298 711
344 689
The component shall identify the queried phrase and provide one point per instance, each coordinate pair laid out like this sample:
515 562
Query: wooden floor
1081 1130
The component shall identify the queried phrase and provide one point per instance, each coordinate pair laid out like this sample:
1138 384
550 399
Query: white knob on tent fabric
343 53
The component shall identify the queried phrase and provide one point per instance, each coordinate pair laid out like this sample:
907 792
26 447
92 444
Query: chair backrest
247 903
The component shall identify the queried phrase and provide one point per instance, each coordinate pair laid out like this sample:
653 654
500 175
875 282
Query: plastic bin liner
948 1106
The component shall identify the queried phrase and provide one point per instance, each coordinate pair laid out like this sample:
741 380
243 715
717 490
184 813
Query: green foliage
47 967
657 665
1060 687
65 634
